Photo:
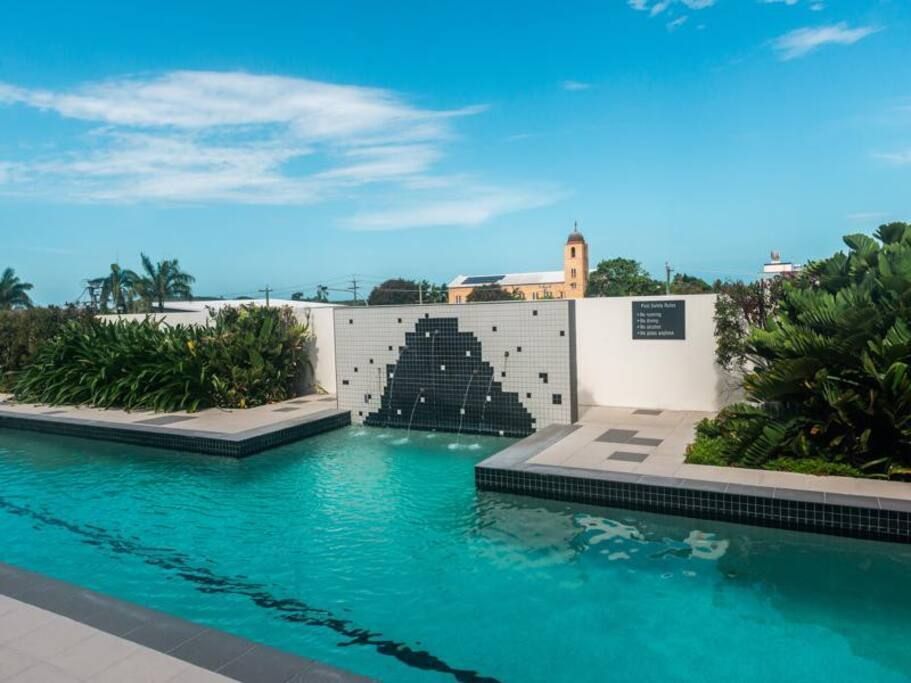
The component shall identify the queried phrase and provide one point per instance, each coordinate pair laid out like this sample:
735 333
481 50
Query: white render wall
613 369
322 353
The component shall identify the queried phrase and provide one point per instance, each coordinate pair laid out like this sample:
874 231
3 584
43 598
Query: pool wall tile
475 368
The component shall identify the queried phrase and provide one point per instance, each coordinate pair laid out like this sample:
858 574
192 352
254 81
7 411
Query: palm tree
118 286
13 291
164 280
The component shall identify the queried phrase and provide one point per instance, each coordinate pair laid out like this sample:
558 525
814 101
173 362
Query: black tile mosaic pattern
210 443
475 368
442 382
799 510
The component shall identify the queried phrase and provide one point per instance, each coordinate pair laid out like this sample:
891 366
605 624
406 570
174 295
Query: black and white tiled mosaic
504 368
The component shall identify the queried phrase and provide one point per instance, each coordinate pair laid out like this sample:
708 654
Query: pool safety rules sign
659 319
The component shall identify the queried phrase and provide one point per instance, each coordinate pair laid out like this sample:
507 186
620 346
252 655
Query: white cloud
779 2
676 23
898 158
656 7
474 206
204 136
803 41
866 216
575 85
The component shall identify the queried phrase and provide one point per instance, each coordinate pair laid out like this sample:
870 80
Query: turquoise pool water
376 554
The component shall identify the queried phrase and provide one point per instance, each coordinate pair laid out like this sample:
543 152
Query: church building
569 283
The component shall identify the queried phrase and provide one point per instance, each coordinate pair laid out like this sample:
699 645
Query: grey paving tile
852 501
644 441
212 649
164 420
264 665
800 495
42 673
617 435
164 633
13 662
627 456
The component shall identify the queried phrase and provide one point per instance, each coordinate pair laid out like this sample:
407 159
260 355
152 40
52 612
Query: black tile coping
217 651
236 445
867 517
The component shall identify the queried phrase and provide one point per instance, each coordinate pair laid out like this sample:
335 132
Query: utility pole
267 290
667 277
420 293
354 287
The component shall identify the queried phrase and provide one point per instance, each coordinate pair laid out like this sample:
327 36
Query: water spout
464 401
487 393
413 406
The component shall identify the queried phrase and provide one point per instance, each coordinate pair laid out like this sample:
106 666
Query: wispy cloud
814 6
674 24
204 136
472 207
898 158
656 7
866 216
575 85
803 41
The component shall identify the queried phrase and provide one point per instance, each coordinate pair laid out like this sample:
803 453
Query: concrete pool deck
54 632
215 431
627 457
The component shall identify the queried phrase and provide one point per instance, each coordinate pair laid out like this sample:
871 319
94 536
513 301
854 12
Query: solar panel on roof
482 279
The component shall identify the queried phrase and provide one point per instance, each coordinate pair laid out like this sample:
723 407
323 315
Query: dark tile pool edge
217 651
813 511
234 445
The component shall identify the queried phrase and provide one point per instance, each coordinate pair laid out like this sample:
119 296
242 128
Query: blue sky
299 143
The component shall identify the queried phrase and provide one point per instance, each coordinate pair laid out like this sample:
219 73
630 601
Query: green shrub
830 378
23 331
707 450
246 357
816 466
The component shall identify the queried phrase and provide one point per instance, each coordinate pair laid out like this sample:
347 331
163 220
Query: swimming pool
376 554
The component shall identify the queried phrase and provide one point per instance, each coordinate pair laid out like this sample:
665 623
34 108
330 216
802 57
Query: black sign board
659 319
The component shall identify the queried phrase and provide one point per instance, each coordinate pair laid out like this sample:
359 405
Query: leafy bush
246 357
23 331
830 378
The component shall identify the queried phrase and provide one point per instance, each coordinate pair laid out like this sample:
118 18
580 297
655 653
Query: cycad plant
830 380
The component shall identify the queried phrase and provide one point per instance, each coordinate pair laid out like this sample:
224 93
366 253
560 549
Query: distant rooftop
544 277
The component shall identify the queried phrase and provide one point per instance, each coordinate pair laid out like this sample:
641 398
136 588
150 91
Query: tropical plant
830 376
246 357
493 293
23 331
622 277
394 291
739 308
117 289
690 284
13 291
163 280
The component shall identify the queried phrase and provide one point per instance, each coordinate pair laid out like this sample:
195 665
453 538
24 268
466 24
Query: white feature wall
614 369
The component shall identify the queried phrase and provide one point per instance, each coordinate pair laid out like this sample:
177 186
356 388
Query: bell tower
575 265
